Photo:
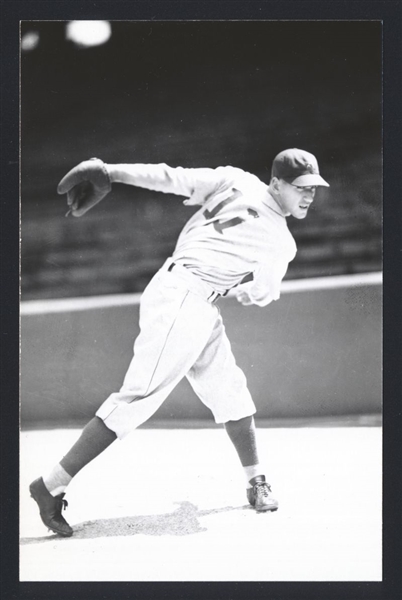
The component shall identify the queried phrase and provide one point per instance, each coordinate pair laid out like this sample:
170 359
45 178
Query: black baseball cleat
50 508
259 495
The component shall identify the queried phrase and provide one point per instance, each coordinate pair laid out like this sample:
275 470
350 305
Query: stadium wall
315 353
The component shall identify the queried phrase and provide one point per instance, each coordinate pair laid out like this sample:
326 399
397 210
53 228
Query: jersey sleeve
197 185
266 284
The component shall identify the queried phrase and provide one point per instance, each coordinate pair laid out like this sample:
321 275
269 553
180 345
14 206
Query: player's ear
274 184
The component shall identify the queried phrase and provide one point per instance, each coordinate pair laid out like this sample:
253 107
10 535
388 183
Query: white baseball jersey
239 229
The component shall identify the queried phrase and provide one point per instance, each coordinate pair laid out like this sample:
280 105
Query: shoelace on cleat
62 504
263 489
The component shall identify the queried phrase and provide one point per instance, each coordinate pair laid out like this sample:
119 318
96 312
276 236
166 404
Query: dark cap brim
308 179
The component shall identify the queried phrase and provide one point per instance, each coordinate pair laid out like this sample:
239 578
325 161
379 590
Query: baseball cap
297 167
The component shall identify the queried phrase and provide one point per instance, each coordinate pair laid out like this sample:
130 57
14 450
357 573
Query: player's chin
301 213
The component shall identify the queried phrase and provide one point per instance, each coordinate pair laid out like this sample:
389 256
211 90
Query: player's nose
309 196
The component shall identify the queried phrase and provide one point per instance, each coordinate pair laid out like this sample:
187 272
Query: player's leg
243 436
49 490
221 385
169 342
175 326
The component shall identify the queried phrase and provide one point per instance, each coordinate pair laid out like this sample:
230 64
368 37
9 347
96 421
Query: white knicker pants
181 334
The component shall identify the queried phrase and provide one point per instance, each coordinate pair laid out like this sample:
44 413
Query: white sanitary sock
57 480
252 471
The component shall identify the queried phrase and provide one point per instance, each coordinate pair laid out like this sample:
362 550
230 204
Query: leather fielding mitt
85 185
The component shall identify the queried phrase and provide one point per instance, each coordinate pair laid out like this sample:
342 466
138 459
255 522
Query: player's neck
275 204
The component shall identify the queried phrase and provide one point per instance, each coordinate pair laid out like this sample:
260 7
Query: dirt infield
170 505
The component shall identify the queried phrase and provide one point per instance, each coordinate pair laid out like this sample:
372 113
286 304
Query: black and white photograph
201 209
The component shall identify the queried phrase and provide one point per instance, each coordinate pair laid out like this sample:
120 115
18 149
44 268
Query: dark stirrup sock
94 439
242 433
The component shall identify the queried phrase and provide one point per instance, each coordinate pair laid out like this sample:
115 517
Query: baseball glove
85 185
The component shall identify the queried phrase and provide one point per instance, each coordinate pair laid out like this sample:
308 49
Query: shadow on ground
183 521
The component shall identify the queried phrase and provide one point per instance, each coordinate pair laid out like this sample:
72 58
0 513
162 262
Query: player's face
295 200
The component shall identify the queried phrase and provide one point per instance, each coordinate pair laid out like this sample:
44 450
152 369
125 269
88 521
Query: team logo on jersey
210 214
220 225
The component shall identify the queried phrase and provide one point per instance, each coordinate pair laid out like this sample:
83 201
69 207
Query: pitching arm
266 284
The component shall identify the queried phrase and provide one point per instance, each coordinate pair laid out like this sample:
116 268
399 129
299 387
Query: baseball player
238 239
